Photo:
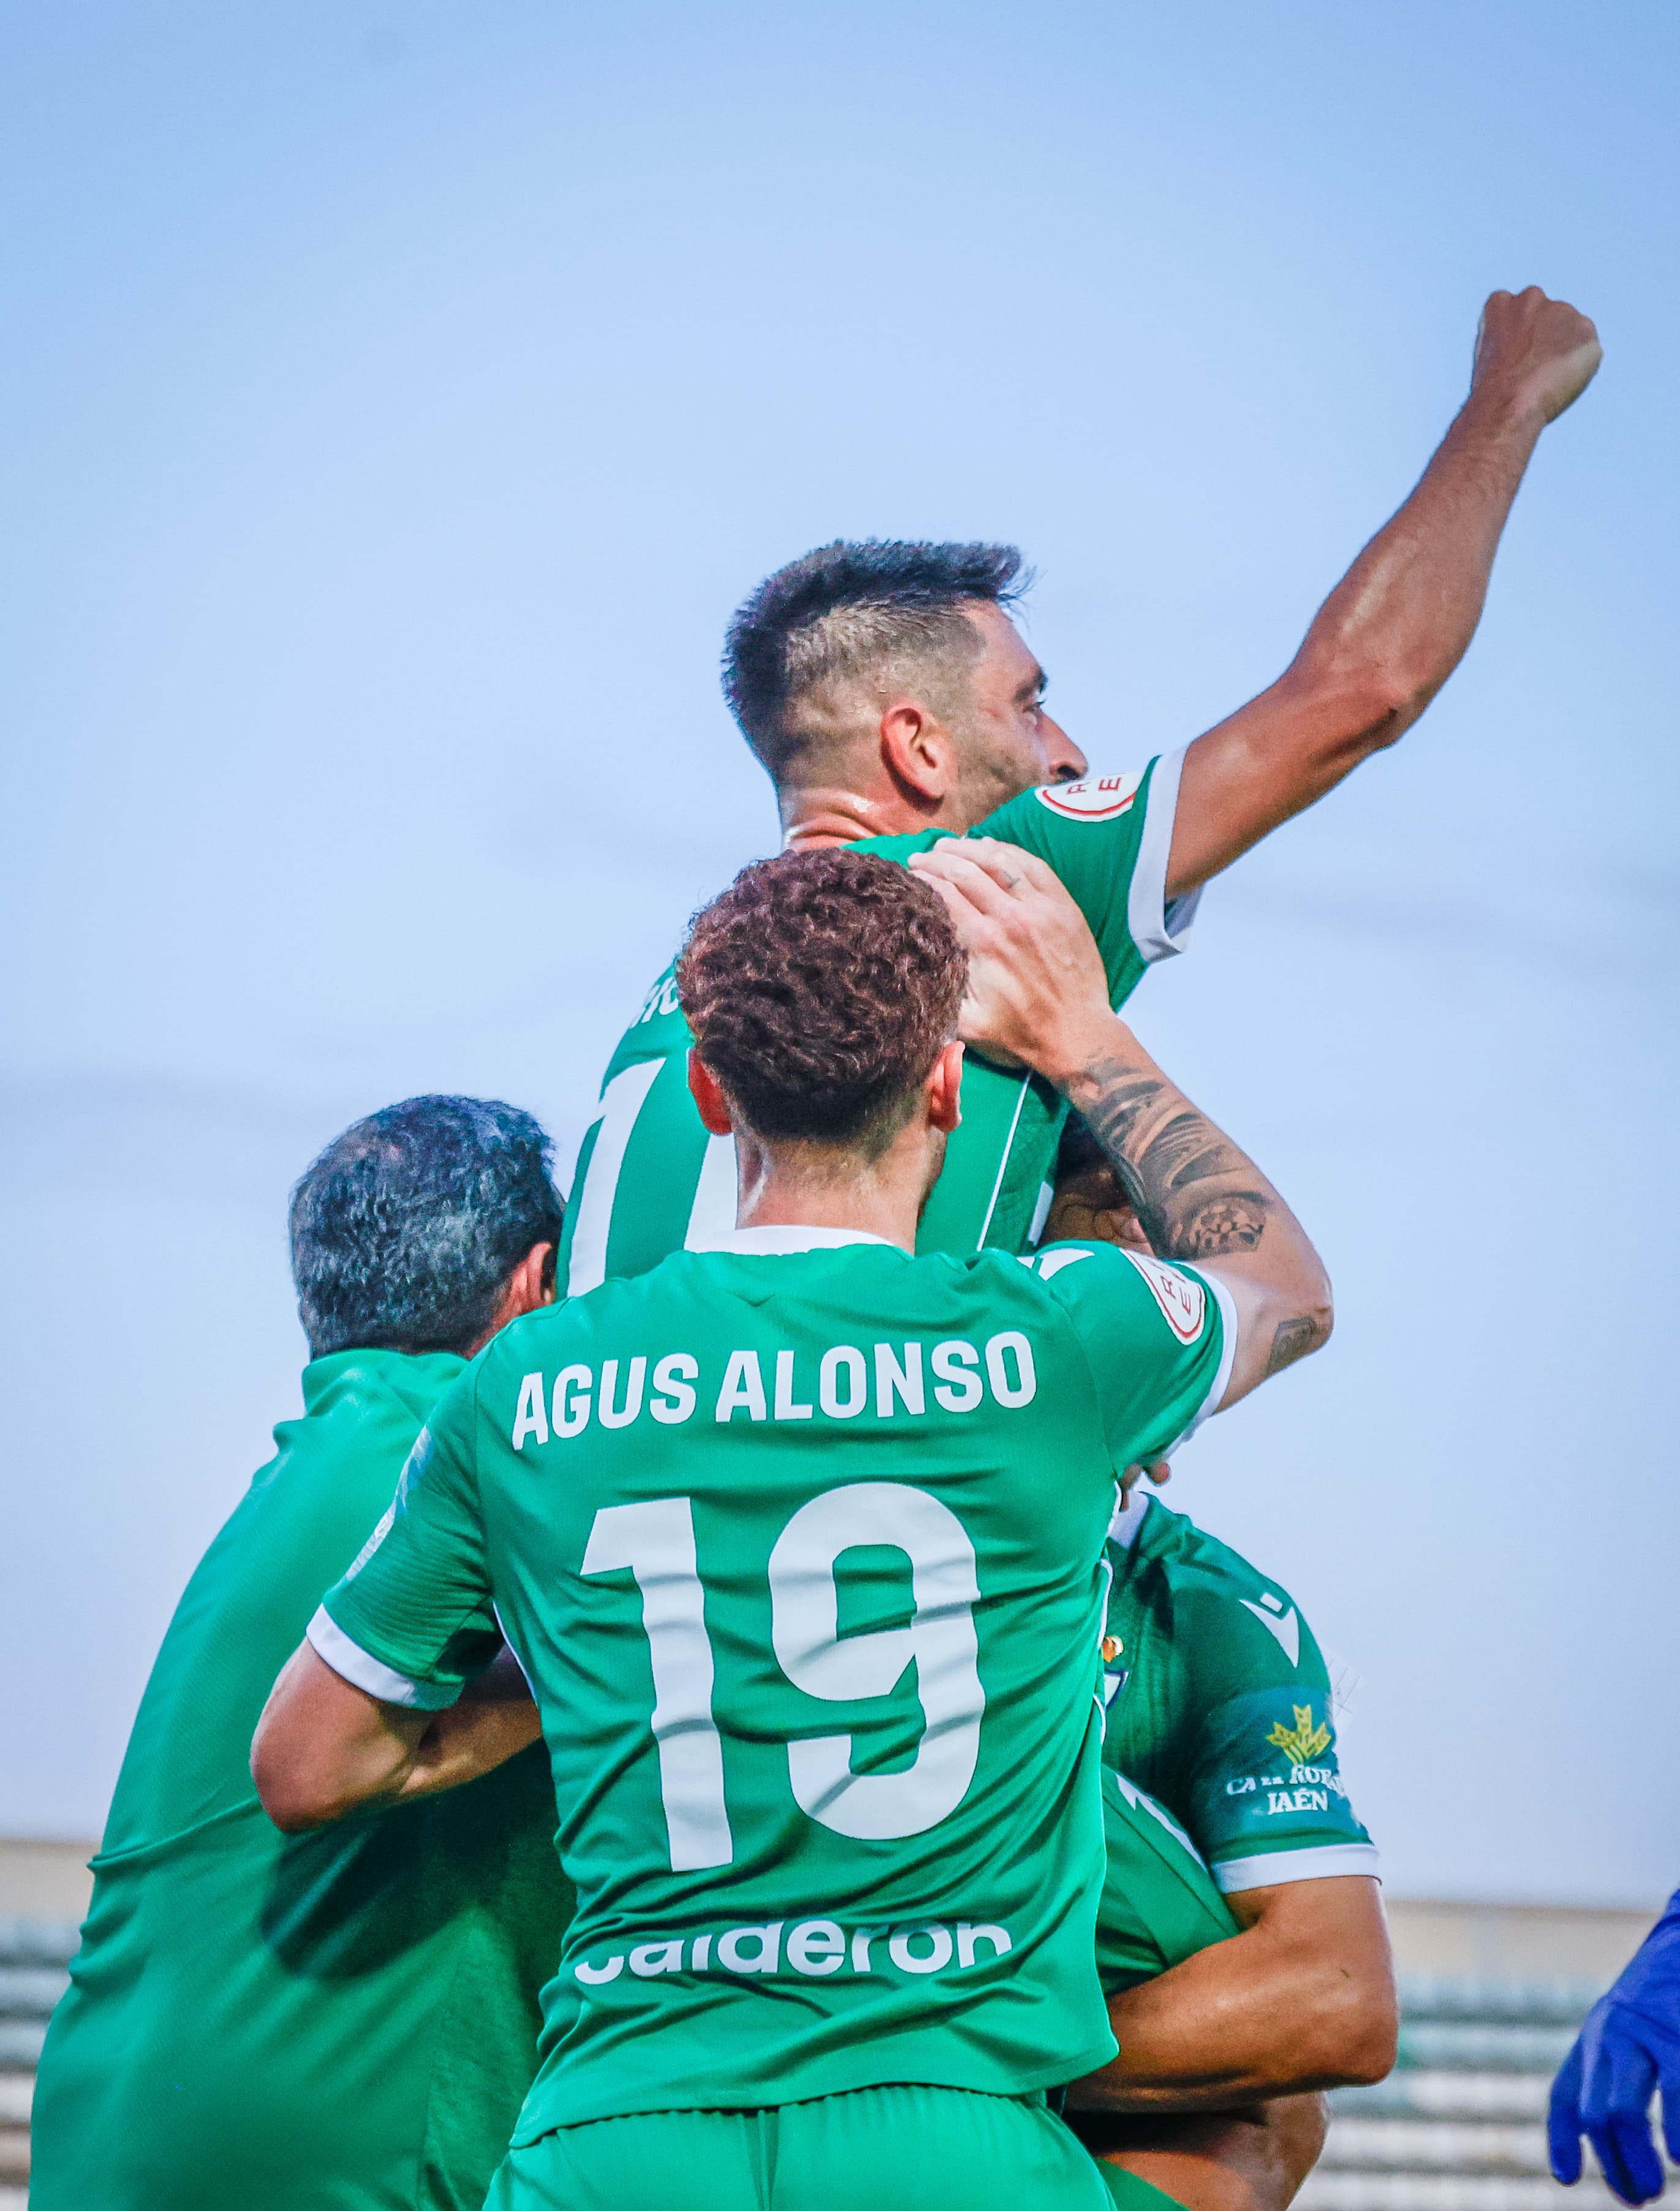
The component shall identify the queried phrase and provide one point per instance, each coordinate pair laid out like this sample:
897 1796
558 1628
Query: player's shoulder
1221 1598
1038 1279
899 848
1099 799
1191 1557
1076 1274
554 1334
354 1400
693 1281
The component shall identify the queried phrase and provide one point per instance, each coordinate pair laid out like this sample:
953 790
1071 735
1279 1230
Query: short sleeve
1267 1800
1109 839
1158 1341
412 1621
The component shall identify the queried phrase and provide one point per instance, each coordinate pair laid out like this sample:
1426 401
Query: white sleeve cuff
1273 1868
1227 1352
358 1667
1160 929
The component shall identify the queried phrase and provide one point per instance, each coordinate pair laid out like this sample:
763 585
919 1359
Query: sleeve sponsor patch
1182 1300
1098 798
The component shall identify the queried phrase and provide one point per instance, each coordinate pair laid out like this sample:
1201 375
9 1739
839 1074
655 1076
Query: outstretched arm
1399 621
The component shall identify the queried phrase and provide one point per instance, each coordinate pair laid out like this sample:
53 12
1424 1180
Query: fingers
1563 2122
993 875
1633 2081
960 910
1156 1469
1671 2080
1544 350
1618 2077
1629 2159
976 901
1013 865
983 888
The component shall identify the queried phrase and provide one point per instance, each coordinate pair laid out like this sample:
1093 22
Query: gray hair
406 1228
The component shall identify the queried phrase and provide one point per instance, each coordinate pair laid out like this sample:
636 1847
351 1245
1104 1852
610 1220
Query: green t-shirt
1160 1904
1219 1705
649 1179
346 2020
800 1542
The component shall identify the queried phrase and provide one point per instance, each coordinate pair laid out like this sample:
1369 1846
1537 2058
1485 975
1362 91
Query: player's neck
781 1187
835 814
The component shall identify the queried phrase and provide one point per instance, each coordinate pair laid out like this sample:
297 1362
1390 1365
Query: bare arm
1038 995
1198 1197
323 1748
1400 620
1302 1999
1252 2159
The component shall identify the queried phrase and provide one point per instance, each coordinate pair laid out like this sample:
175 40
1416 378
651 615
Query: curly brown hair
821 988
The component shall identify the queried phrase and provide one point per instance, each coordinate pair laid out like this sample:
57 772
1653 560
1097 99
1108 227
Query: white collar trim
771 1241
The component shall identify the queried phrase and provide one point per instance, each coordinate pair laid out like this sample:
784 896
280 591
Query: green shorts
896 2148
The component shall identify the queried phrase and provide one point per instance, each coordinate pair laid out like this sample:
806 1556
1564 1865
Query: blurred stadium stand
1492 1995
44 1891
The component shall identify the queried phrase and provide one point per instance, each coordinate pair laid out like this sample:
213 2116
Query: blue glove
1629 2047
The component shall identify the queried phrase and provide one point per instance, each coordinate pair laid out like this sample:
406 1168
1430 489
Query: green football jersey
1160 1904
345 2020
1219 1706
649 1179
799 1541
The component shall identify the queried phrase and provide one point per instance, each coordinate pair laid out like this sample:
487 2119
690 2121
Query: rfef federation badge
1182 1300
1098 798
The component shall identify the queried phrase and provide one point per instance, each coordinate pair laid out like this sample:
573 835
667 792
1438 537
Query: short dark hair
1078 1150
821 988
406 1228
850 610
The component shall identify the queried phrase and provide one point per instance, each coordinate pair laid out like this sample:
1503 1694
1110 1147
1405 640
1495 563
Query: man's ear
707 1093
944 1089
917 752
530 1284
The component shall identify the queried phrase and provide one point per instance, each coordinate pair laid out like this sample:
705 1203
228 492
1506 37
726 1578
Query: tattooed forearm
1191 1188
1147 1165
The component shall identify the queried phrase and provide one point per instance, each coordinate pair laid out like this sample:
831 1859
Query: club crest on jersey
1098 798
1183 1302
1303 1742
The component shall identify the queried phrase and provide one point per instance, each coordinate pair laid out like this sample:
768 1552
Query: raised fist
1540 353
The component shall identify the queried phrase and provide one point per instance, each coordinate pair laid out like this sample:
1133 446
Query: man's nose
1065 761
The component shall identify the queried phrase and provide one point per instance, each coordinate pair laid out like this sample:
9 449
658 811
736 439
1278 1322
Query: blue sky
397 399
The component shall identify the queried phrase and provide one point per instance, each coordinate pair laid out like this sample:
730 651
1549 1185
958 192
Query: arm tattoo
1294 1339
1188 1184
